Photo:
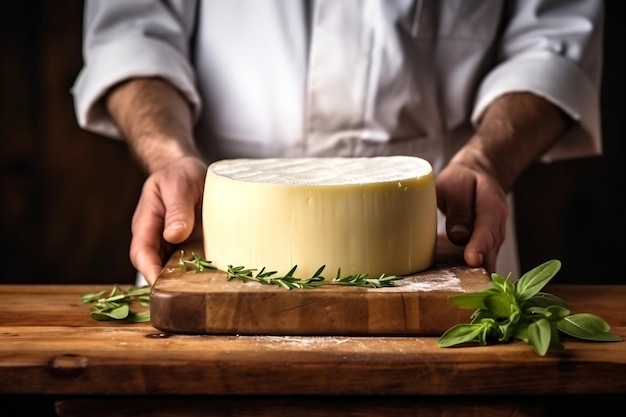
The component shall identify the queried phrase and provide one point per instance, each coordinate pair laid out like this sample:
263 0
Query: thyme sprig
118 303
288 281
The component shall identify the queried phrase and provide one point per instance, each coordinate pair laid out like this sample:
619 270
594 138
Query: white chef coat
349 77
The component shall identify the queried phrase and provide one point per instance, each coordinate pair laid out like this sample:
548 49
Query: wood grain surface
51 349
208 303
50 346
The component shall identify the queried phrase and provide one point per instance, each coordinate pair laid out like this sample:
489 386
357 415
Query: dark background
67 196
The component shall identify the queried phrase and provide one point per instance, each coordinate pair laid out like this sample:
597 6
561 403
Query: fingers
146 252
476 210
456 200
179 214
166 214
489 227
489 230
182 198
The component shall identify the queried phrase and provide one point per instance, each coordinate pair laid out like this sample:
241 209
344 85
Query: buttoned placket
336 99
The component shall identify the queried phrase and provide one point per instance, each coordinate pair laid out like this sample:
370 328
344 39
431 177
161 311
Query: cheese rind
360 215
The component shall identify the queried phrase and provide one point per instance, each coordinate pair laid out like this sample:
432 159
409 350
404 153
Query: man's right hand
168 213
155 119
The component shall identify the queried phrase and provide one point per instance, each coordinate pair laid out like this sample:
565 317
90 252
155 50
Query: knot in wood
68 365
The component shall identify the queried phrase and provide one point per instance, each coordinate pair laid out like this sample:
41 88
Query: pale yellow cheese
372 215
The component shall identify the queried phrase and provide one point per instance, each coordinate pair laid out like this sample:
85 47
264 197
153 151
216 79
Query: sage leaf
499 304
471 300
507 328
543 299
92 297
539 336
534 280
139 317
555 341
115 297
539 311
502 284
483 335
117 305
482 315
587 326
117 313
521 311
557 312
520 332
461 333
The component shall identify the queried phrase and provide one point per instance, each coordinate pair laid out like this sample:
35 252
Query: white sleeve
553 49
128 38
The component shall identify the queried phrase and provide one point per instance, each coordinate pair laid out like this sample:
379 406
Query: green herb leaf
471 300
501 305
557 312
461 333
196 263
520 332
117 304
363 280
501 284
543 299
507 327
534 280
539 335
139 317
588 327
90 298
521 311
289 281
555 341
115 313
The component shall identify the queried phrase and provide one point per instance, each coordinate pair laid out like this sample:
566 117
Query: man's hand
476 211
156 122
168 213
514 131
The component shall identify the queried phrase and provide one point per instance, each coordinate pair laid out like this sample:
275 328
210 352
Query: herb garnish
518 309
504 311
288 281
117 304
197 263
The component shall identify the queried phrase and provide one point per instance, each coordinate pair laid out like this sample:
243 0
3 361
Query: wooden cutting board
187 302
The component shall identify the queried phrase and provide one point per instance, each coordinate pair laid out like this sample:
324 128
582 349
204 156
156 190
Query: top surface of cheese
323 171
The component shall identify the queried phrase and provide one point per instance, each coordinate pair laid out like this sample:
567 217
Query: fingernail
458 228
458 234
176 226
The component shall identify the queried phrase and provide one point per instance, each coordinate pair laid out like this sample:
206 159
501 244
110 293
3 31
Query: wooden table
50 348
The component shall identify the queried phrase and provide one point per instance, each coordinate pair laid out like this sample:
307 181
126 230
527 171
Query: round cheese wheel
373 215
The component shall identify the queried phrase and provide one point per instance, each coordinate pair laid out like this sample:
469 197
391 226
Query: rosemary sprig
363 280
288 281
116 305
197 263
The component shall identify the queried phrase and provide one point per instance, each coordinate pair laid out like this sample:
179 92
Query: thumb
181 191
178 227
180 213
459 224
456 200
